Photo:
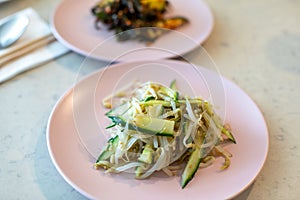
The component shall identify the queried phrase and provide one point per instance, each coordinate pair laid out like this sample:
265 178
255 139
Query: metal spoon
11 29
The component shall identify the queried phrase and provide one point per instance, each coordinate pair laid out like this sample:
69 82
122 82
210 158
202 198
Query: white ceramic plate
73 25
76 133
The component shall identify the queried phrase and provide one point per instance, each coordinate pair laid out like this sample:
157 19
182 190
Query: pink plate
73 25
76 133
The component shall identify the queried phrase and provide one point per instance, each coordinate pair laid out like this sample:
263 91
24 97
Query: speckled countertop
255 43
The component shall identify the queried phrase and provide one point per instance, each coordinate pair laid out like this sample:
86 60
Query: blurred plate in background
73 25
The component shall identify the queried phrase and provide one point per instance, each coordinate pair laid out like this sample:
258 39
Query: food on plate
156 128
144 18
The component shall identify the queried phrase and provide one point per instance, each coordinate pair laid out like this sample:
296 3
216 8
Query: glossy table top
255 44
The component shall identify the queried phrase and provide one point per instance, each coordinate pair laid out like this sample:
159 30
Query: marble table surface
256 44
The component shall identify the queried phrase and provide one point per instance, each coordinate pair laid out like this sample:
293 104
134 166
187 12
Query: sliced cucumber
155 102
194 161
109 149
148 127
228 134
147 155
119 110
191 167
156 125
217 122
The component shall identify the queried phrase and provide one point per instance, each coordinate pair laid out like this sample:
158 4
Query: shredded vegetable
156 128
135 15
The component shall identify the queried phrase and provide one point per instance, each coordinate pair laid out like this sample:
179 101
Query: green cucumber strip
155 102
228 134
111 125
144 129
191 167
193 162
156 125
225 131
119 110
147 155
109 149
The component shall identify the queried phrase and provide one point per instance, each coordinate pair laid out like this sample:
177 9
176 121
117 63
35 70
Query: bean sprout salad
156 128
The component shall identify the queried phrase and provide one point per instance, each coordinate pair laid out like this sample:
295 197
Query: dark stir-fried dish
141 20
156 128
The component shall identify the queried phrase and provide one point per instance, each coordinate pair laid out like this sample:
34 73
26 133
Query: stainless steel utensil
11 29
